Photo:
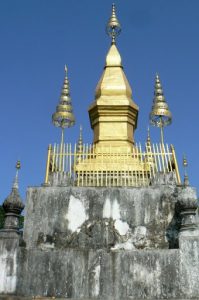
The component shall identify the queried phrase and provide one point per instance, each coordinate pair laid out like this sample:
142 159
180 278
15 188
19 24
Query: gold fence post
175 164
48 164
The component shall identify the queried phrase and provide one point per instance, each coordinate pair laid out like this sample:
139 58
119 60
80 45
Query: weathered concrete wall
139 218
110 244
8 263
189 264
115 275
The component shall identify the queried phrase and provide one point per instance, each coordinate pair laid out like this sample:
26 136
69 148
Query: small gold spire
148 141
80 141
113 28
64 117
185 165
148 148
160 115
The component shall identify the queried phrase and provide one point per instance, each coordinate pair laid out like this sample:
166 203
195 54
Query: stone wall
139 218
105 243
9 247
117 275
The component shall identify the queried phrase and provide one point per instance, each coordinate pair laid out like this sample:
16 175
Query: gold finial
66 70
113 28
185 165
148 141
160 115
79 145
148 147
80 141
18 165
148 136
64 117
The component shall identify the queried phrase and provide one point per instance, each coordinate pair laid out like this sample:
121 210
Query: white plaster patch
47 246
96 288
76 215
107 208
115 210
121 227
128 245
111 210
143 275
147 215
7 273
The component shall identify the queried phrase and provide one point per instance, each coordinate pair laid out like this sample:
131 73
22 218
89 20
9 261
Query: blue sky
39 36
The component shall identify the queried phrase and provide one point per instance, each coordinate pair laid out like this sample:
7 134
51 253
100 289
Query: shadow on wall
172 231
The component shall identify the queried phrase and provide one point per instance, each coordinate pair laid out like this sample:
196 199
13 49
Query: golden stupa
113 114
113 159
113 117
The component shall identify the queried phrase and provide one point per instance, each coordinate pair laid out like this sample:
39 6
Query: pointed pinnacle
148 131
113 27
185 163
66 88
158 89
16 181
160 115
18 165
63 116
148 141
80 130
66 70
80 141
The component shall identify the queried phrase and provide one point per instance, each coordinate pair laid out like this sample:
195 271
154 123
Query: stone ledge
9 297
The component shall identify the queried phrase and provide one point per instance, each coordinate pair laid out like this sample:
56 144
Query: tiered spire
16 180
80 145
160 115
64 117
185 165
80 141
13 205
113 27
148 141
149 157
113 106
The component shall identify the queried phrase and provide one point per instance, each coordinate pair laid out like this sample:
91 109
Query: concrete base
110 244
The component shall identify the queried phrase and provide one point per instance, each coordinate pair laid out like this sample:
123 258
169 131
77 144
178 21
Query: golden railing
94 166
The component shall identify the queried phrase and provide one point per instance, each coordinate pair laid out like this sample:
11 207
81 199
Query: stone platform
104 243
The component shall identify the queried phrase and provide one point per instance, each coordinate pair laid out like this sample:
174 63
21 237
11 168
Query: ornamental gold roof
113 87
160 115
63 116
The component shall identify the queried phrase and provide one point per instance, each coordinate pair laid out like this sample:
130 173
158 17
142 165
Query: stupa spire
113 106
160 115
63 116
